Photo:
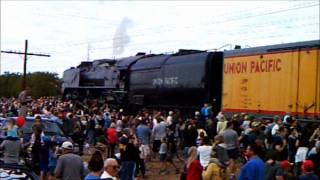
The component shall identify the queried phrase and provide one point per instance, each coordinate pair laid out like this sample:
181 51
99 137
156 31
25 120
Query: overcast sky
75 31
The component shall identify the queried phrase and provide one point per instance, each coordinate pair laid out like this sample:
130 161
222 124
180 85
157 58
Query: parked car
15 171
51 129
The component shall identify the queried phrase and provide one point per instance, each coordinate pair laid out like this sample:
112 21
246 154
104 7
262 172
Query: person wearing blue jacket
254 169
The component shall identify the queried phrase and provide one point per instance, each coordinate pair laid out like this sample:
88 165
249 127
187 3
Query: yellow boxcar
273 80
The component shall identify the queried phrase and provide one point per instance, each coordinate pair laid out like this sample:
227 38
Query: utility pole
24 80
25 53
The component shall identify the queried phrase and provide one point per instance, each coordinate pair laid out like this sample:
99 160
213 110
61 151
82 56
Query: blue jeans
127 170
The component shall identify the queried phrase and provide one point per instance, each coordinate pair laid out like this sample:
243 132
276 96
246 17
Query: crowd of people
204 145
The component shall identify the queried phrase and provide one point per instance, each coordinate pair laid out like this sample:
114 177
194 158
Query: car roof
31 118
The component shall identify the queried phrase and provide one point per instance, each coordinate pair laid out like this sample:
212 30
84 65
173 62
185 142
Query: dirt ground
153 168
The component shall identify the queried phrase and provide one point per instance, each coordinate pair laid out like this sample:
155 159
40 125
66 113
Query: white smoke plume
121 37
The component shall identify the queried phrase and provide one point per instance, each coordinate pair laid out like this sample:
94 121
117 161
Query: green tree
40 83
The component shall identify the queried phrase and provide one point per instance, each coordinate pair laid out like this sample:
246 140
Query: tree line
40 83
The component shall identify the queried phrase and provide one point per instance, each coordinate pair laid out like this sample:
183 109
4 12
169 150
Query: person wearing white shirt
204 152
275 129
169 118
119 126
111 169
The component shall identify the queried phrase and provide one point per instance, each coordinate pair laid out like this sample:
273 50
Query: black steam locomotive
187 78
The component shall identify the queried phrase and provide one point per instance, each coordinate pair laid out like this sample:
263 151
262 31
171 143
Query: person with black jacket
129 155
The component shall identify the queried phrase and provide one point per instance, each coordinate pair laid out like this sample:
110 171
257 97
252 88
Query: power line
245 31
141 29
217 22
188 27
25 53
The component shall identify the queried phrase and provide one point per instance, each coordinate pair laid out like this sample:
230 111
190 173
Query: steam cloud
121 37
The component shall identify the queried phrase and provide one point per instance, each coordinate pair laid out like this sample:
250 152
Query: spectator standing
95 166
112 139
158 132
315 158
215 170
315 135
230 138
172 147
220 149
254 169
91 131
246 122
11 145
119 126
78 137
140 166
204 115
280 144
293 144
236 123
276 127
193 166
111 169
67 125
222 123
107 120
69 165
129 155
273 168
36 143
163 151
53 157
143 132
190 138
204 152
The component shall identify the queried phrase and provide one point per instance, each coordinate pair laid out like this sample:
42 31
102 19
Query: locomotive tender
266 81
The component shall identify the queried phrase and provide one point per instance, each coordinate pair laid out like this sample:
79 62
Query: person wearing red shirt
194 168
112 139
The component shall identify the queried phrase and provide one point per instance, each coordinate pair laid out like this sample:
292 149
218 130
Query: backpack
222 170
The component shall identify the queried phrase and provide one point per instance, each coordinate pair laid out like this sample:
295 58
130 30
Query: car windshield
50 128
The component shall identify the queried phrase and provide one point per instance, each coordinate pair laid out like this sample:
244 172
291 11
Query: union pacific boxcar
273 80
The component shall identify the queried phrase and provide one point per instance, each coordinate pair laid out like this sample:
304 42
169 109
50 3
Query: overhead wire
141 29
258 15
140 35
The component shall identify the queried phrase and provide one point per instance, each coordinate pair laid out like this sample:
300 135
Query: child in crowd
12 128
163 156
53 157
140 163
172 150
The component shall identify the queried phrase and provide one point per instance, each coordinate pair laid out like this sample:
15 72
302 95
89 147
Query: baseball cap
285 164
67 145
308 166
